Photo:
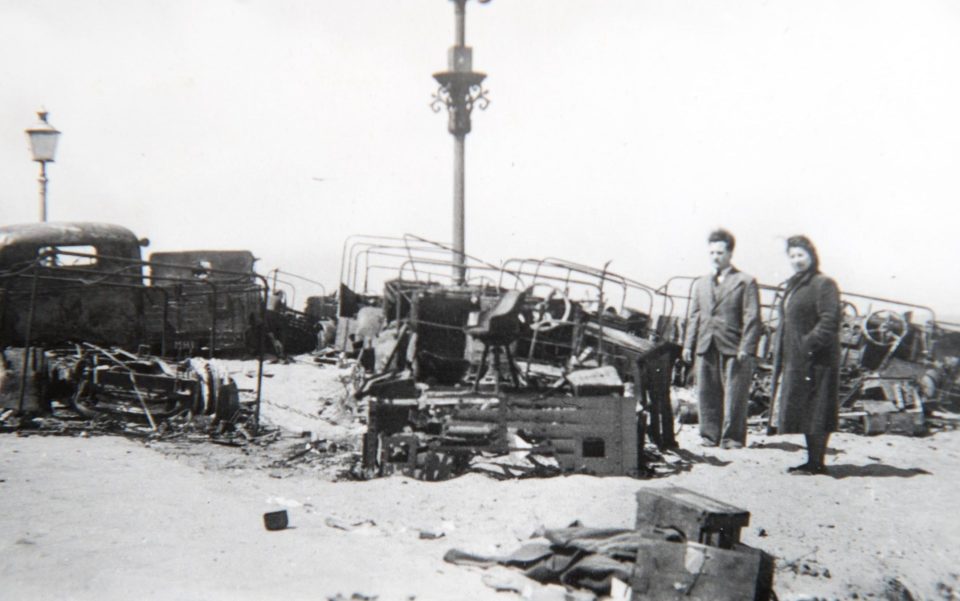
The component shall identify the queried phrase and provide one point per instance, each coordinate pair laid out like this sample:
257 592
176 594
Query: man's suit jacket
725 314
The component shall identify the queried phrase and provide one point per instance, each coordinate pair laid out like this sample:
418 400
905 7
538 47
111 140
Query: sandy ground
106 517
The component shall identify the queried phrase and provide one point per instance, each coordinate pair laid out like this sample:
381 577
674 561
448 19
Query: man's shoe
732 444
706 442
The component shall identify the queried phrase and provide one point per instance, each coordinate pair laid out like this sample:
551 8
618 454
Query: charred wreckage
545 365
530 367
86 321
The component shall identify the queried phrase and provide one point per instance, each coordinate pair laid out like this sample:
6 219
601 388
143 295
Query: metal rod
143 403
299 277
163 325
213 320
26 342
260 340
600 311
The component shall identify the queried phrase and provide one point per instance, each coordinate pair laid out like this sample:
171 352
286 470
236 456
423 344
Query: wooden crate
884 417
667 571
698 517
597 435
909 422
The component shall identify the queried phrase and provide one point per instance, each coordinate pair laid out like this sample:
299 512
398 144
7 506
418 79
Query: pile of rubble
684 546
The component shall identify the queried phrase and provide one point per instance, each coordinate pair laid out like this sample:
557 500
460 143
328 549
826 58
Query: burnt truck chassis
92 379
99 301
95 381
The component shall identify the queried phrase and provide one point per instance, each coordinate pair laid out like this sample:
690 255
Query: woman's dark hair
804 243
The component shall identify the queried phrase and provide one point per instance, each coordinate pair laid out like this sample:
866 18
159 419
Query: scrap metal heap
894 371
534 366
899 363
543 365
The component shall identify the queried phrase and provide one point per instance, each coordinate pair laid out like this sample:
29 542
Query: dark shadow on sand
681 460
790 447
692 457
873 470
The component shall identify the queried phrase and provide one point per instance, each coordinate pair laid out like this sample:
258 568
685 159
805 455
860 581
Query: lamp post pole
43 144
460 88
459 159
43 190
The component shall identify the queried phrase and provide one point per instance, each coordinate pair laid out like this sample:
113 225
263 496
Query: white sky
623 129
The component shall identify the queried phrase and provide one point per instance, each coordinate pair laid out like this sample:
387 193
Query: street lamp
43 144
460 89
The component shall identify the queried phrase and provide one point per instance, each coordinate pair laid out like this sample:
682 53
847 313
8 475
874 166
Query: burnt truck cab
214 301
63 282
87 282
211 300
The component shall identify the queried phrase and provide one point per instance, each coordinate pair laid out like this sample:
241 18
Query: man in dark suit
723 330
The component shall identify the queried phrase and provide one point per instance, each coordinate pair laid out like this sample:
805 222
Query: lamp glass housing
43 140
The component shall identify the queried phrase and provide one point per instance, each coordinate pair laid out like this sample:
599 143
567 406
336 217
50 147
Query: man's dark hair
722 235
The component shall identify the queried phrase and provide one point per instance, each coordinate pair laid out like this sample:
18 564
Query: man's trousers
723 387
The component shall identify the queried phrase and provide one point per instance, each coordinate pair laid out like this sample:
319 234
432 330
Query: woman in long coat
806 367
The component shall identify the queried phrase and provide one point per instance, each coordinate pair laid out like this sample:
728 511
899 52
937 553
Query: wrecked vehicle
215 299
212 301
85 322
896 362
94 381
555 361
74 304
61 282
70 282
300 331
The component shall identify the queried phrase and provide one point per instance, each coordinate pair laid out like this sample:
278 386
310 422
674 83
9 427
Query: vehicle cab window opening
78 256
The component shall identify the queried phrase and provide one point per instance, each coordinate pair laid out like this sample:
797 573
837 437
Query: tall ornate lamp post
43 145
460 89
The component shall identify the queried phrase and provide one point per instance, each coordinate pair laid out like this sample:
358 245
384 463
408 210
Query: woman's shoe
807 469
